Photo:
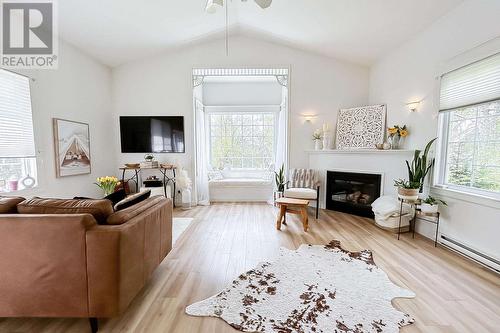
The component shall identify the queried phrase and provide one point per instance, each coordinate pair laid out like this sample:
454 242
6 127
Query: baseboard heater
469 252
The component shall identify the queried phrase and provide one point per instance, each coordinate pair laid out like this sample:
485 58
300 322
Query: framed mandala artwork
361 127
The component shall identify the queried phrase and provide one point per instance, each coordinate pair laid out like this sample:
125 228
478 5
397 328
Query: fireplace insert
352 192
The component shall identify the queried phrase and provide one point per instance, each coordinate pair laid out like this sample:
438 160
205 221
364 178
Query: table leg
305 218
437 232
280 216
123 179
400 213
136 181
173 181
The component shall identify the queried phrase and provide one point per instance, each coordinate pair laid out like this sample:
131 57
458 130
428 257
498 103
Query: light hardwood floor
453 294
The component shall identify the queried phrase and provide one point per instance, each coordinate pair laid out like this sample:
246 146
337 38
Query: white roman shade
16 125
471 84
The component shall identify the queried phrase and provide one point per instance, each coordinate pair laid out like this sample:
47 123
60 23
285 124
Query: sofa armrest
42 265
121 258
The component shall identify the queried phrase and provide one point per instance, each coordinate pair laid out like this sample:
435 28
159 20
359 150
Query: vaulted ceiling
360 31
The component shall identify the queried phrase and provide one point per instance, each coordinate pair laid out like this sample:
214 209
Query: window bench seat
240 189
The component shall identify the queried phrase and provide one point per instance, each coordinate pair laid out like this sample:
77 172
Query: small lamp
413 106
309 117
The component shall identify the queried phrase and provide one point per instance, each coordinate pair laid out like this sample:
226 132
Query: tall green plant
420 166
280 179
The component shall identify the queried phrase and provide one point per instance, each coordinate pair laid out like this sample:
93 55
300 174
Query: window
242 140
17 147
470 128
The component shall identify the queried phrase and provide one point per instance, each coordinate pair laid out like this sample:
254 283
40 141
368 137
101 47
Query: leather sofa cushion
8 205
132 200
100 209
128 213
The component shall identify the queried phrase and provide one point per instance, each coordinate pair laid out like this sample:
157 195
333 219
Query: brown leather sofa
57 261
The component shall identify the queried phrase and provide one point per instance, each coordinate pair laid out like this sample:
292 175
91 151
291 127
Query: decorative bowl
379 146
132 165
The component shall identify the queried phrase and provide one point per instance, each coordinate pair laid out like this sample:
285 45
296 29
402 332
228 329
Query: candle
325 127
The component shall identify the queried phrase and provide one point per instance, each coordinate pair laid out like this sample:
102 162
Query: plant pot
410 194
428 208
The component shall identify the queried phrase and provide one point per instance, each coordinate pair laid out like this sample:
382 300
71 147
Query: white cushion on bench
300 193
240 182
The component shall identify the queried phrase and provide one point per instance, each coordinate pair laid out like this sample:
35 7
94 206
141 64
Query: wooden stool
294 206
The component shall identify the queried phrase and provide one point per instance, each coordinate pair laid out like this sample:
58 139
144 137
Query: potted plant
431 205
317 136
420 166
407 190
280 179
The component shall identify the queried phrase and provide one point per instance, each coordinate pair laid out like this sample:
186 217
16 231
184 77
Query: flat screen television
152 134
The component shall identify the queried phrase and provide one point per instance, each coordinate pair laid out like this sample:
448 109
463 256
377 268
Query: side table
428 217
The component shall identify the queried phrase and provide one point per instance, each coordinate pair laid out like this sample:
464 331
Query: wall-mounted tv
152 134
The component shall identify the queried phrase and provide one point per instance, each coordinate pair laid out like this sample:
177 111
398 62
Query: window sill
466 196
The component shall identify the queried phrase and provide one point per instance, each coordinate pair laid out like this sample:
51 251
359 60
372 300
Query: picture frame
361 127
72 147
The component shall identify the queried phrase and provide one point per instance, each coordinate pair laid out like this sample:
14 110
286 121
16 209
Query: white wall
161 85
78 90
409 73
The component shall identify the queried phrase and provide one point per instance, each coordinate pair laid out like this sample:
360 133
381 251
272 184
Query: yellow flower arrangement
397 130
107 184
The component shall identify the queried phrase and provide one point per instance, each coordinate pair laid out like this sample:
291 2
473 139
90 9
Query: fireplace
352 192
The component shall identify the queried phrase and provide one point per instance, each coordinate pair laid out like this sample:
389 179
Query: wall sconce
413 106
309 117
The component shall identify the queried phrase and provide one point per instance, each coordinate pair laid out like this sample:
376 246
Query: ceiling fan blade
264 3
211 6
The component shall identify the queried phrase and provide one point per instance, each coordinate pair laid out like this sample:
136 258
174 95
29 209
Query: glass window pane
242 141
473 148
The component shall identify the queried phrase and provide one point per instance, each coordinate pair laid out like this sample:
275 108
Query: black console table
167 172
429 217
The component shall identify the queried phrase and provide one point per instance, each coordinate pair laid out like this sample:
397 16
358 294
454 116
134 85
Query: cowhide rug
313 289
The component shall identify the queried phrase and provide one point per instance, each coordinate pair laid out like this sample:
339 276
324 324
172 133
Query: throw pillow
117 196
132 200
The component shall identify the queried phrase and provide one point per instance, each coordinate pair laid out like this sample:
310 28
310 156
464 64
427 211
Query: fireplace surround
352 192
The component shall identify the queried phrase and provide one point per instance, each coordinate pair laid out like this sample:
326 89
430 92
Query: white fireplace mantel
388 163
360 151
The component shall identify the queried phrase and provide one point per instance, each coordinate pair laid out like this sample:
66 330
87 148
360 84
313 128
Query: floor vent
469 252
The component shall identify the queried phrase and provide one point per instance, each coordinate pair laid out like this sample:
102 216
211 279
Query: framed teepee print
72 147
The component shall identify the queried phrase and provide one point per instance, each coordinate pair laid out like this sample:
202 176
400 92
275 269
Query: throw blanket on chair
303 178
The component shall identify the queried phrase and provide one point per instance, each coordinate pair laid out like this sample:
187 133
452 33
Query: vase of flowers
107 184
395 134
317 136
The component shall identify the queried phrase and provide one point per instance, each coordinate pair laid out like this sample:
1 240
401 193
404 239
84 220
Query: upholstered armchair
303 184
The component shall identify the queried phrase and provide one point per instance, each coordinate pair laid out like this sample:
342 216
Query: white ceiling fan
211 6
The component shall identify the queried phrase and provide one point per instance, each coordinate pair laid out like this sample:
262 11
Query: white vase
327 139
317 144
395 142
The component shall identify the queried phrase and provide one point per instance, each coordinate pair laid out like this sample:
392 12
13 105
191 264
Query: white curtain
281 140
202 191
